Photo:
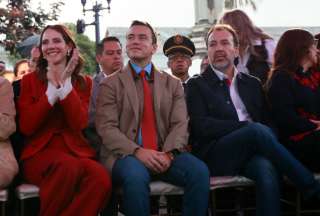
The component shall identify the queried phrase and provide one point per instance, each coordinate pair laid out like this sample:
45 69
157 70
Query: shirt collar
222 75
104 74
138 69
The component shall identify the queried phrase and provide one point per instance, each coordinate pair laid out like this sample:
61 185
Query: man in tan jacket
8 163
142 120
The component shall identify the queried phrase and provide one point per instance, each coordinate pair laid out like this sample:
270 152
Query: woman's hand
58 74
73 62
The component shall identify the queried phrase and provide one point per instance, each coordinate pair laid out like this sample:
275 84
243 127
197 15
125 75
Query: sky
180 13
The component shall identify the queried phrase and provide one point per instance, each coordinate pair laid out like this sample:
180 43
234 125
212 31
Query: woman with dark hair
294 95
255 46
53 108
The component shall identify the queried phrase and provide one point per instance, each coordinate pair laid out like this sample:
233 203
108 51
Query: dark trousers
255 152
186 171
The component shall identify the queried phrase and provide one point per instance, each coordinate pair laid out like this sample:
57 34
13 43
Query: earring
68 52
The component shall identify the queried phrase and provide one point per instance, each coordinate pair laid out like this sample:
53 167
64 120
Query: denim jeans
266 178
234 154
186 171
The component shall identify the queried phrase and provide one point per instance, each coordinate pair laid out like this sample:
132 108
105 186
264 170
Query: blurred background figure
179 50
21 68
8 163
256 47
294 94
5 73
204 64
109 56
2 67
317 37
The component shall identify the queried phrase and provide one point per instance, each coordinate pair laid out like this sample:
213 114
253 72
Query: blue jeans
266 178
186 171
235 154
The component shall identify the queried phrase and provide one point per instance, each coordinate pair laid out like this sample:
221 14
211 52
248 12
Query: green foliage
18 21
87 49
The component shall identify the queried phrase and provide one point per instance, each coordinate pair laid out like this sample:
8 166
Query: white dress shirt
270 45
241 110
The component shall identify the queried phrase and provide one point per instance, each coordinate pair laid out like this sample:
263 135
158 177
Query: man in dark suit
109 56
179 50
227 111
142 120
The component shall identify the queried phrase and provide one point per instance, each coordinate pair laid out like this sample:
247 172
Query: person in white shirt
229 126
256 47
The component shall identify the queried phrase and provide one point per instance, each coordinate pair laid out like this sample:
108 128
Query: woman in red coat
53 108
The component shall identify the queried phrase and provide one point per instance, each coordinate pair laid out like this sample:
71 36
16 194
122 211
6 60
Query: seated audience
294 95
142 120
228 120
204 64
53 108
109 56
8 163
179 49
255 46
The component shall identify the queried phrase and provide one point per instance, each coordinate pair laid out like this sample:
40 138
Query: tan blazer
8 164
117 114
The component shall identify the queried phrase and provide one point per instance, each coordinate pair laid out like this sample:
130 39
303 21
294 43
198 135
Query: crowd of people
253 110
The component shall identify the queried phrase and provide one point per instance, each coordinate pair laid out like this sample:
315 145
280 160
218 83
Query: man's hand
156 161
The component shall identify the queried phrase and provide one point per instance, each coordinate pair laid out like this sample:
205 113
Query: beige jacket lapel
130 89
159 82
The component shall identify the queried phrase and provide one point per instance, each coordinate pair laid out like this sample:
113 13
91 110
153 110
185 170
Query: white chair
3 200
23 192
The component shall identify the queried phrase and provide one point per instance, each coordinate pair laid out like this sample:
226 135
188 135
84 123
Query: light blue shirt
138 69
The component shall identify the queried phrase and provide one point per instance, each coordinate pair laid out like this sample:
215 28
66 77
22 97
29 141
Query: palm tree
239 3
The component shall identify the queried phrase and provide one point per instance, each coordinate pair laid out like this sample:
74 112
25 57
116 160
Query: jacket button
228 102
134 130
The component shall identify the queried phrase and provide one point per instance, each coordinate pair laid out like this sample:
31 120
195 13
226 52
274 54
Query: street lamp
96 8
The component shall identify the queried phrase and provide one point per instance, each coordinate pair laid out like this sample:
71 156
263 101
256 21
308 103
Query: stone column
201 11
207 13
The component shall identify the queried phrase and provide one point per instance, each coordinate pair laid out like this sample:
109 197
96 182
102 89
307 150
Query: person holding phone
53 107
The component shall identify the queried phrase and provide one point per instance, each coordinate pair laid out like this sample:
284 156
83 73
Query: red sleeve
75 105
33 109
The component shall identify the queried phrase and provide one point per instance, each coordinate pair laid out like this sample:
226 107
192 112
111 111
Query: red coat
39 121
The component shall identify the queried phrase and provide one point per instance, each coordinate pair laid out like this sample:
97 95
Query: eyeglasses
175 57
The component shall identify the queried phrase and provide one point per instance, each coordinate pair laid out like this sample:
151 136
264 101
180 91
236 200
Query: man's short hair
224 27
141 23
100 45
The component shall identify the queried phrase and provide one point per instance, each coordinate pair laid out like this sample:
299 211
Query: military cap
179 43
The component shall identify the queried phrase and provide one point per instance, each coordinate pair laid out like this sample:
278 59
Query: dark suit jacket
93 99
212 113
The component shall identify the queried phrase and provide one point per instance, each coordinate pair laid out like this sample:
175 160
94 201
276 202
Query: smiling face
221 50
54 47
140 46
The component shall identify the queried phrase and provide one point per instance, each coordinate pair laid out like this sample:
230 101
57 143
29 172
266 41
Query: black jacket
212 113
293 102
